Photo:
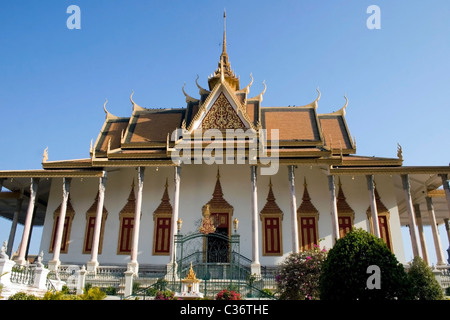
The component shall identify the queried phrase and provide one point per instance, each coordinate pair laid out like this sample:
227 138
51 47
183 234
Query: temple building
283 178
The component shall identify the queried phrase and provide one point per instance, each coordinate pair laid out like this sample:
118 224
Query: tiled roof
294 124
335 132
153 126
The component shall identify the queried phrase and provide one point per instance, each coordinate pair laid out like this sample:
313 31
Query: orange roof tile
334 132
297 124
113 130
153 126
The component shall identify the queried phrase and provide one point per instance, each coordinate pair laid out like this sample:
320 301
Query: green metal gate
215 259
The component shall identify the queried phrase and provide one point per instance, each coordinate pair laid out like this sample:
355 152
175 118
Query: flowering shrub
299 274
165 295
228 295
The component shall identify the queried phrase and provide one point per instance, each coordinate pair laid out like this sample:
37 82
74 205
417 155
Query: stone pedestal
81 280
92 266
40 277
133 266
255 268
53 265
128 283
5 271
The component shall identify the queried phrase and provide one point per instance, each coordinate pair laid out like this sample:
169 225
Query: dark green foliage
110 291
424 285
344 273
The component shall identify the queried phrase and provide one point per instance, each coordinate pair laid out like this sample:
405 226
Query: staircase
15 288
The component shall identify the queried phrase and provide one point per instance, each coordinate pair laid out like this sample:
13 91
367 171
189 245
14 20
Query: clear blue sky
54 81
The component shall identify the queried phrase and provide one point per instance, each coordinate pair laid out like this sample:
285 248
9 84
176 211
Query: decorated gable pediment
222 115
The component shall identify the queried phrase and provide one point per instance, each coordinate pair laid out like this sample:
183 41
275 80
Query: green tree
424 285
345 273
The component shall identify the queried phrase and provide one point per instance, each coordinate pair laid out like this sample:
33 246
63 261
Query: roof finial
224 45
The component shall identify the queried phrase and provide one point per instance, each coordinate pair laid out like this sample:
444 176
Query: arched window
126 228
307 219
346 214
91 215
162 218
271 217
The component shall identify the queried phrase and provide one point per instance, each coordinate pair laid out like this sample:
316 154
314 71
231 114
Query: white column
27 226
55 262
373 206
423 243
435 230
92 265
12 233
133 265
447 228
412 220
334 213
176 204
294 225
255 265
445 184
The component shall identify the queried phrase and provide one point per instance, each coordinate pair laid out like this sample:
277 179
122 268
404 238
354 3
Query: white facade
197 186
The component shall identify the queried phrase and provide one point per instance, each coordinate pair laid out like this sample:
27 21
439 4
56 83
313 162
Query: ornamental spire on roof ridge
224 71
224 43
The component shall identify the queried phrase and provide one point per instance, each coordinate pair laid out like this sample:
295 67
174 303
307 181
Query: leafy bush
266 293
61 295
424 285
110 290
345 271
23 296
228 295
94 293
298 278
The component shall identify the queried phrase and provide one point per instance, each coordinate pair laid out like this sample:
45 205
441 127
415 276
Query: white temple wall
196 189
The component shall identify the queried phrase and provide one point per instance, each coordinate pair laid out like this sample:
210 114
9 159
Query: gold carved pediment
222 115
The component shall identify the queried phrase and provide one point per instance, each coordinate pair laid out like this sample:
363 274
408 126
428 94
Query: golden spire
224 71
224 44
190 277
